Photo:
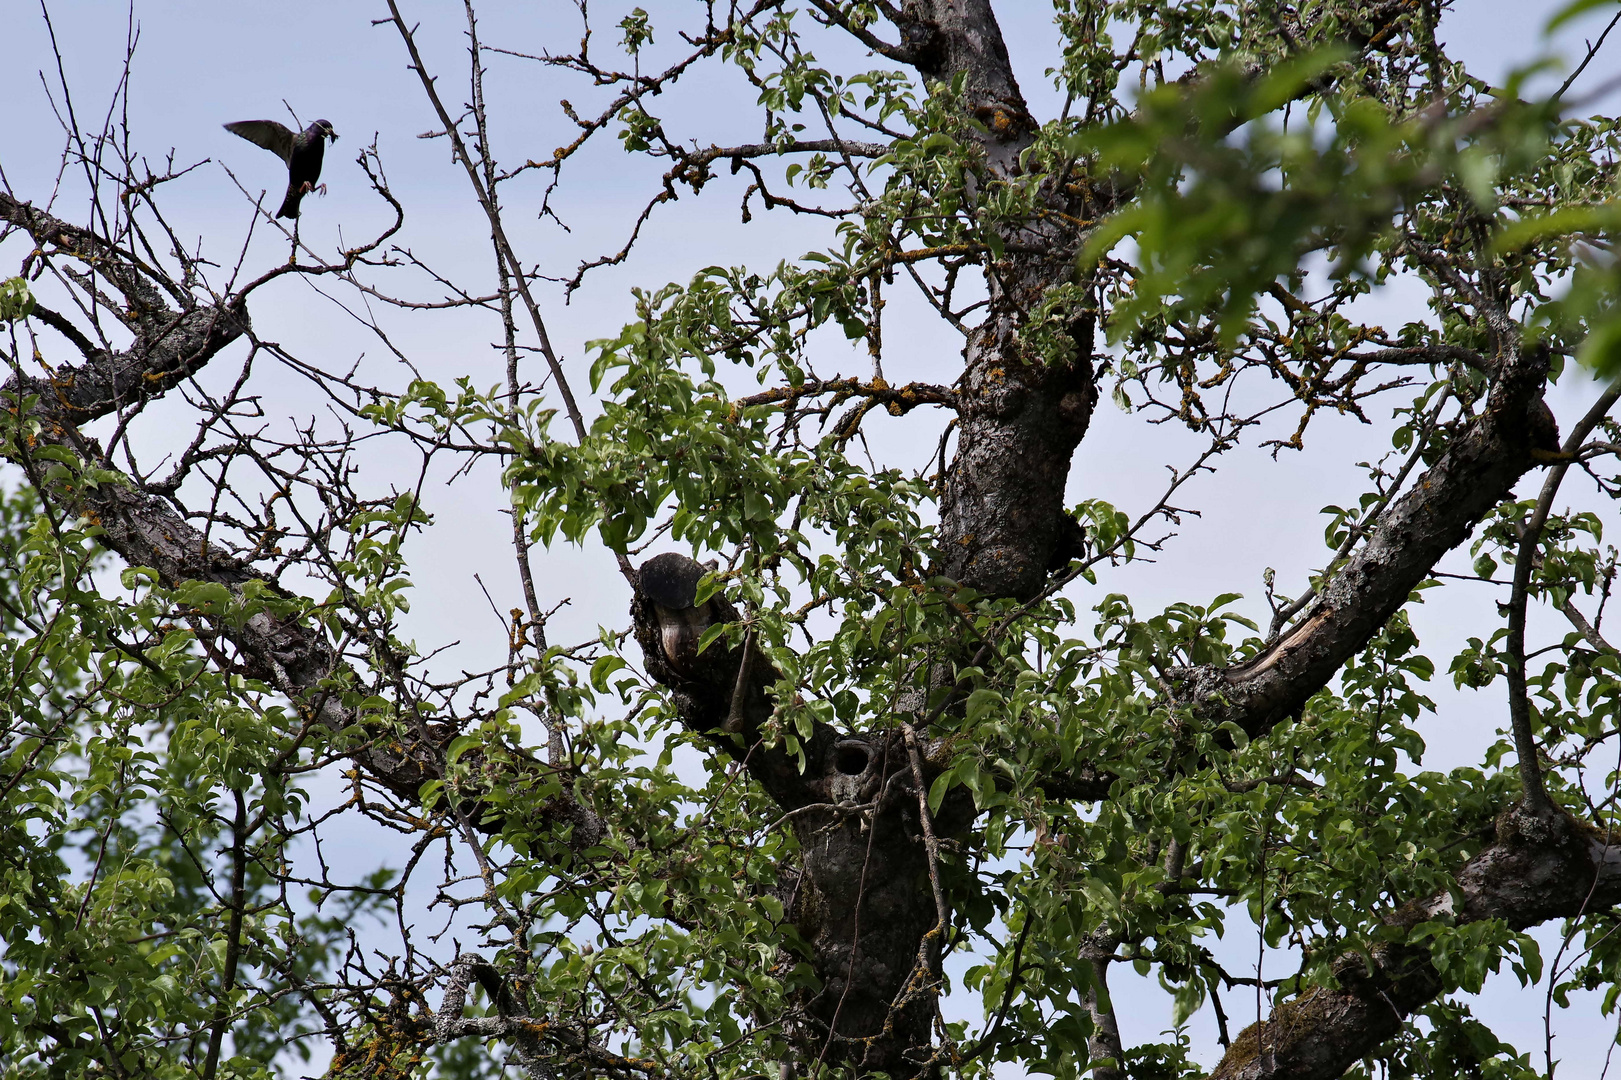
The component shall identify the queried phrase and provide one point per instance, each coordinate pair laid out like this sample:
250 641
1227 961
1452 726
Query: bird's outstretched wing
266 133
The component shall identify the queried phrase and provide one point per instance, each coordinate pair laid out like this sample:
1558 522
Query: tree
928 732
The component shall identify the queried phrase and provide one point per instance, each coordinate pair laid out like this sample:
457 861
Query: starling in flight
302 153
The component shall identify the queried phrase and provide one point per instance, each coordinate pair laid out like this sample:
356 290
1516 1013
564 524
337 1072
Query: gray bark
1542 866
1479 469
855 897
173 339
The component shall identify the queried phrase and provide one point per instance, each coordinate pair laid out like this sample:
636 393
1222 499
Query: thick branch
1543 866
851 147
862 902
169 345
945 39
284 652
1477 471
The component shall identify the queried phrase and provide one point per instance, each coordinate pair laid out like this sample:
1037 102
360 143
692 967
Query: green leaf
1601 352
602 669
460 745
982 702
1573 10
16 301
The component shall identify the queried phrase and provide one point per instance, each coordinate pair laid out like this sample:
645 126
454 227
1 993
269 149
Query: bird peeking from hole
670 582
302 152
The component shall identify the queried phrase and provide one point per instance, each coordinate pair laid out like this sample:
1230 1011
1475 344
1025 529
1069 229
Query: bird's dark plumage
302 153
671 580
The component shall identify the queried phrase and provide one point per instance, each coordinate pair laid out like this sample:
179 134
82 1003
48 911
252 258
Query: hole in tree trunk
850 758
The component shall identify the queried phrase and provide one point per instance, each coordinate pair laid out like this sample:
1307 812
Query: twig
1534 792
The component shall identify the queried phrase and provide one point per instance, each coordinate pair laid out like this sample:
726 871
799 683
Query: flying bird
302 153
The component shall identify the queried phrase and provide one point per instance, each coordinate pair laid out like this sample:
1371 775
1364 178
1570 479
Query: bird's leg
321 188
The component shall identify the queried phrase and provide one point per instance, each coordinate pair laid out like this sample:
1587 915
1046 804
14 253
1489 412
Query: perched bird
302 153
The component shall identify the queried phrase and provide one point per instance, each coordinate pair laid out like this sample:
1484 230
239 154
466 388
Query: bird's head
325 127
